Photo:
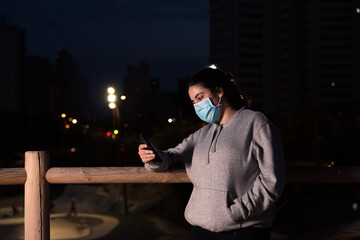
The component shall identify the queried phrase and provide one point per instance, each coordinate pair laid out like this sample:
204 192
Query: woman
235 163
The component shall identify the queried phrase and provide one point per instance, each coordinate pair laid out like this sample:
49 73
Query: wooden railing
36 176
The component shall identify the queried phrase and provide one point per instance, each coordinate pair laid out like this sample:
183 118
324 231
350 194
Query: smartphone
144 140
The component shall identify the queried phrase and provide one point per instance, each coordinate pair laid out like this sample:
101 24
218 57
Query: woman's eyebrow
196 96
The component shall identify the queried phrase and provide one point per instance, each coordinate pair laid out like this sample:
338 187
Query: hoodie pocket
209 209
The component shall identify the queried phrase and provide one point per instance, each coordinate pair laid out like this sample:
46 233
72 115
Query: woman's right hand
145 154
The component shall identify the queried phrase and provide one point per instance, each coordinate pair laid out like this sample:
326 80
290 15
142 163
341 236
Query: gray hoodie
237 170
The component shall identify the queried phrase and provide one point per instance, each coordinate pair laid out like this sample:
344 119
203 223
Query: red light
108 134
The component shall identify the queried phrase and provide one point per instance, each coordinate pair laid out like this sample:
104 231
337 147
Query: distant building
332 53
56 88
71 90
39 93
144 103
289 53
12 63
34 85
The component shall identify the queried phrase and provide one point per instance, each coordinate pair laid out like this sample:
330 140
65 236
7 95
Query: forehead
197 89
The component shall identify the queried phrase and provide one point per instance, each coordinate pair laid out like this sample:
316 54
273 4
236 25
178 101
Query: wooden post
37 209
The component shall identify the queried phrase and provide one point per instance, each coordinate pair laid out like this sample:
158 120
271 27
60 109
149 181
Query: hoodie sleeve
173 157
268 185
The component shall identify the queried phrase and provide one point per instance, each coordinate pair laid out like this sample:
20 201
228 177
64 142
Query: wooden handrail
114 175
12 176
88 175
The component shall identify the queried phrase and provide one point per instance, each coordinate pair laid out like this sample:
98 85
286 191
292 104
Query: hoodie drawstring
213 143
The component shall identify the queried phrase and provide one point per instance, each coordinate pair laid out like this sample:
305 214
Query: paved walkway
83 226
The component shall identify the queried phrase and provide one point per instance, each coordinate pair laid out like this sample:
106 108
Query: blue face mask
207 112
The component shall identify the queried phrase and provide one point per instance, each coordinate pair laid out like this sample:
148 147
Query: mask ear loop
219 102
213 95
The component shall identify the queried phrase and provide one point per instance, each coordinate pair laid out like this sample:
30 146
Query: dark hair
213 78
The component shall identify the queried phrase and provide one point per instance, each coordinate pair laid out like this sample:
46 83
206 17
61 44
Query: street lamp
112 99
112 105
111 90
116 124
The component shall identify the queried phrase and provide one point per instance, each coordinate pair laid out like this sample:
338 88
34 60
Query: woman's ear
220 92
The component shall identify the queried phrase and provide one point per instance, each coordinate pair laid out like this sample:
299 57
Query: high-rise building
71 90
144 103
332 53
39 93
12 62
289 53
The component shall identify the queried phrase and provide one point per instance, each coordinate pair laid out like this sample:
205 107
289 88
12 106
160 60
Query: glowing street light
123 97
112 98
213 66
171 120
112 105
111 90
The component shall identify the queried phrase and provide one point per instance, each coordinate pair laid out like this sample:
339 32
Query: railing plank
113 175
17 176
12 176
141 175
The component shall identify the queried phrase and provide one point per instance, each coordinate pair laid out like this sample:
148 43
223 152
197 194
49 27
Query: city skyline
106 37
253 40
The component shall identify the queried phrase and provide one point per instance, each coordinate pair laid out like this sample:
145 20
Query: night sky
106 36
